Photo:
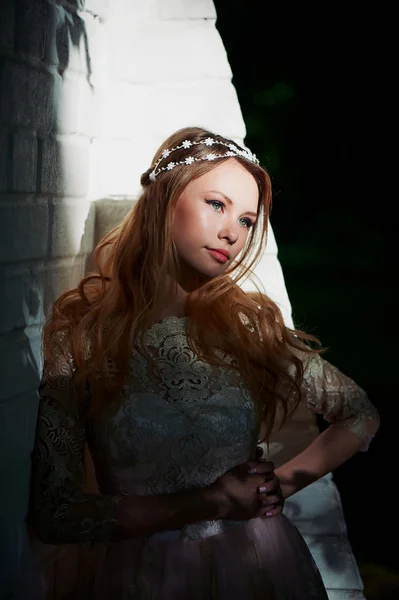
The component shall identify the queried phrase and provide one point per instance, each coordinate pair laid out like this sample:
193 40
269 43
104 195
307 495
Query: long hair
135 267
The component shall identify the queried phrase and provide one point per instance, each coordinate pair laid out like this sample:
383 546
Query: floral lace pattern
181 424
63 513
339 399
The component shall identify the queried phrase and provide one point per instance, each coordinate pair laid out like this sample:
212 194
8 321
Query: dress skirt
259 559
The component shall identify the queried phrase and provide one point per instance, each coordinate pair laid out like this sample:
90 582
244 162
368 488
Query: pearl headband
233 151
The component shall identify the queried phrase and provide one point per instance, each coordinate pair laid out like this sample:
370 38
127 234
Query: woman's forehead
230 178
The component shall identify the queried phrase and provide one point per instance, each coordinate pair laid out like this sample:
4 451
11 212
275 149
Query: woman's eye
215 202
249 223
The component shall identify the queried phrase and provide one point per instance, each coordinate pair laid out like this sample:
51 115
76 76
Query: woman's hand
274 501
248 491
274 492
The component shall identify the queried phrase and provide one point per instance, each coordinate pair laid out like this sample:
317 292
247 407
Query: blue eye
215 202
249 222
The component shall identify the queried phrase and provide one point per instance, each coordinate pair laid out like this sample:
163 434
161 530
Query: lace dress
181 425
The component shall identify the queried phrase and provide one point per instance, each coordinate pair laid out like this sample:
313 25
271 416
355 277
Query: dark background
309 80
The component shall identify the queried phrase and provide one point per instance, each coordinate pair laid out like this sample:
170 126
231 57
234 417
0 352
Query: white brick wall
23 227
85 98
26 98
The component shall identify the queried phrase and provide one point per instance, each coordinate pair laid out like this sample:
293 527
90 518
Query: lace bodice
181 424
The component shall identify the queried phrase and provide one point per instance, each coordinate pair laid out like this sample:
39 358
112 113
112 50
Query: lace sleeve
339 399
61 511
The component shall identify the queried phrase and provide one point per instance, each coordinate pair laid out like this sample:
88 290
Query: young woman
172 374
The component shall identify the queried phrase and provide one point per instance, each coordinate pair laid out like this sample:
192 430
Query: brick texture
23 227
7 26
65 166
4 144
28 102
17 415
24 163
19 368
18 299
36 31
57 276
72 231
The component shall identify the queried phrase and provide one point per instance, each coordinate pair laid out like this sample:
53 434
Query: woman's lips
218 255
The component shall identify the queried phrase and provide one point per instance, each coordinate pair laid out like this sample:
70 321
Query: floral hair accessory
234 150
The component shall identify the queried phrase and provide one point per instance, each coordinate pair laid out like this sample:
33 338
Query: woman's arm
62 512
354 422
327 452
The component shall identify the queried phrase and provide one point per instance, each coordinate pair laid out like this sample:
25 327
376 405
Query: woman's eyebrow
248 212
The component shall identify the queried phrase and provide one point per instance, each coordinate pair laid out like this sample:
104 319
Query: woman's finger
264 467
272 511
271 500
269 486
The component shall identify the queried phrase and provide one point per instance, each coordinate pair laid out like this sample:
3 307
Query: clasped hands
250 490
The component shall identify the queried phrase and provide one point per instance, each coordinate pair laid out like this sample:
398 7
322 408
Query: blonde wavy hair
130 284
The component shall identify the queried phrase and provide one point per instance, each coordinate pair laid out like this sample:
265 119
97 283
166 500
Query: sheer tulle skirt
261 559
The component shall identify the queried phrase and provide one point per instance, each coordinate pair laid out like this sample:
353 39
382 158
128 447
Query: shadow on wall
72 28
35 235
69 33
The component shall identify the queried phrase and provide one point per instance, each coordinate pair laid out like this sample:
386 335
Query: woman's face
204 219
